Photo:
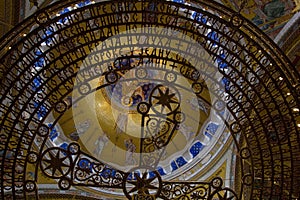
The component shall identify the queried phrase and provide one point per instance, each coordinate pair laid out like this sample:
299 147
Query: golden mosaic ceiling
88 101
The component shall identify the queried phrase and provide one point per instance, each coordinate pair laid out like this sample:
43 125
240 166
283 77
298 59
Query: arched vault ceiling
137 99
269 15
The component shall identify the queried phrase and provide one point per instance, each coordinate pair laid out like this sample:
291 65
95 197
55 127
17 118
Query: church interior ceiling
150 100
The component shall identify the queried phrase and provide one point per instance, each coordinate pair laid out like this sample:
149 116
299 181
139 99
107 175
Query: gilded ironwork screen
121 98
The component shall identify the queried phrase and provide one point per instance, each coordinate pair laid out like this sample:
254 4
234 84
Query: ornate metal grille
223 60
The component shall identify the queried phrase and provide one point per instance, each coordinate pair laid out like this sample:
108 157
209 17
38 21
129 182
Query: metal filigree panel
126 96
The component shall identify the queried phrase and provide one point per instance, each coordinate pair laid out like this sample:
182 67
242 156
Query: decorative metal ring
143 108
32 157
61 107
170 77
64 183
245 153
84 88
30 186
142 181
217 183
42 18
141 73
236 20
197 88
43 130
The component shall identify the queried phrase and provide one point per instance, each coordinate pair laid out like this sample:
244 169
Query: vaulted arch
126 72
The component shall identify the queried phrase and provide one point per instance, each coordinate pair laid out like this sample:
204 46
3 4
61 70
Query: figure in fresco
83 127
100 143
274 9
186 131
121 125
130 149
197 103
132 88
269 15
268 11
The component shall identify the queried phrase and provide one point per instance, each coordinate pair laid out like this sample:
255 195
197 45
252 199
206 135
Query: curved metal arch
255 132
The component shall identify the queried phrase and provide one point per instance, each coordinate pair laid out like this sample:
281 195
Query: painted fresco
269 15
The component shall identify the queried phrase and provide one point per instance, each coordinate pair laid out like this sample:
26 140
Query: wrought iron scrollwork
174 190
248 84
142 183
74 168
197 190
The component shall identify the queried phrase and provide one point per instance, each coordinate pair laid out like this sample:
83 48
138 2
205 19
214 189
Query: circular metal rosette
30 186
43 130
32 157
142 181
61 107
165 100
56 162
217 183
174 85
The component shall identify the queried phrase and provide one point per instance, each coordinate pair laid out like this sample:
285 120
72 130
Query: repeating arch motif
247 77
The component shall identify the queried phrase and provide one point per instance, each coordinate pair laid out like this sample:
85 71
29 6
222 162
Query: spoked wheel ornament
87 86
56 163
142 183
